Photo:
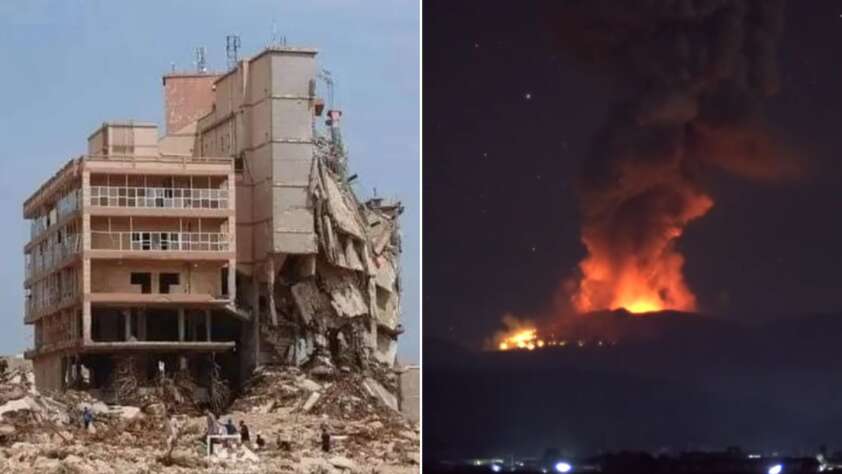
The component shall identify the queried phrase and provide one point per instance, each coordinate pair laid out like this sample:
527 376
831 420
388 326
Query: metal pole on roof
232 46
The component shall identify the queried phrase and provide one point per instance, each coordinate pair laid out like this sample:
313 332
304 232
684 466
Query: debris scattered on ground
44 432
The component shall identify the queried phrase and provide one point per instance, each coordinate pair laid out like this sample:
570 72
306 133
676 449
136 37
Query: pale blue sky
67 66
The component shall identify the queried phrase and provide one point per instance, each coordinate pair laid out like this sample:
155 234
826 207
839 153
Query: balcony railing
35 307
53 256
143 241
66 205
161 198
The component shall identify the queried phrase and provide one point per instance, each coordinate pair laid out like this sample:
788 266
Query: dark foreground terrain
672 383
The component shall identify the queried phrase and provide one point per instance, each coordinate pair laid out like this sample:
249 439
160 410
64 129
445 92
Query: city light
496 468
776 469
565 467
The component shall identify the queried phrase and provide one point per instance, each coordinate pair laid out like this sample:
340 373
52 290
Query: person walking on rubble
325 439
245 436
87 417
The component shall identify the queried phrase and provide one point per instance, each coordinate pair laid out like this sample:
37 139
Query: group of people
228 428
216 428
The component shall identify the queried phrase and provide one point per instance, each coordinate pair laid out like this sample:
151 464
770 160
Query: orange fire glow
647 281
521 339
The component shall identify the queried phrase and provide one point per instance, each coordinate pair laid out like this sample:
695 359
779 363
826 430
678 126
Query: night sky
508 120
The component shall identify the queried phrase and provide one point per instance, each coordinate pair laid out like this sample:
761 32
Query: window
144 280
141 241
159 198
165 280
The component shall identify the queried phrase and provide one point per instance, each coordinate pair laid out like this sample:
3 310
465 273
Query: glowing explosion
521 339
642 278
519 334
692 75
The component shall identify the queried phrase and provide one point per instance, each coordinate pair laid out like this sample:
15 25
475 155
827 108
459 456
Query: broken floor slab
345 296
376 390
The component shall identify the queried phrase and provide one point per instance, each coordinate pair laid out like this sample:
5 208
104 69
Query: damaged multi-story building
232 241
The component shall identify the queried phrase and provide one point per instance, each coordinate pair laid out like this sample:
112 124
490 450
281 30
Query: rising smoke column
692 74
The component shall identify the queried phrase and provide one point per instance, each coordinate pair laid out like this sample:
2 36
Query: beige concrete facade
187 97
134 230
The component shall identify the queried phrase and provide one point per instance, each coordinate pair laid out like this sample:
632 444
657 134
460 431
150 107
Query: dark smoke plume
693 74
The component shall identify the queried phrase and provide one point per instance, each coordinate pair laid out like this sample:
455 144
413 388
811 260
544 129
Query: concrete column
86 322
181 324
208 324
85 198
127 322
232 280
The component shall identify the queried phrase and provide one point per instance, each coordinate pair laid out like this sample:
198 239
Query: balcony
65 206
53 257
152 241
159 198
48 300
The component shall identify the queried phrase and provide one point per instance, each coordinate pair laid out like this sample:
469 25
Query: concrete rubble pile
176 391
288 408
345 396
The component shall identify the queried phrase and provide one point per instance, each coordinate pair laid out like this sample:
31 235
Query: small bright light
564 467
776 469
496 468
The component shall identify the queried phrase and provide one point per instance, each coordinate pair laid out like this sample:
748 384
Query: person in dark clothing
87 417
260 441
325 439
230 428
244 432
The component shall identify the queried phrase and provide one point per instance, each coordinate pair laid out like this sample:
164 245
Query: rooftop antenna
333 118
274 32
201 62
232 46
327 77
